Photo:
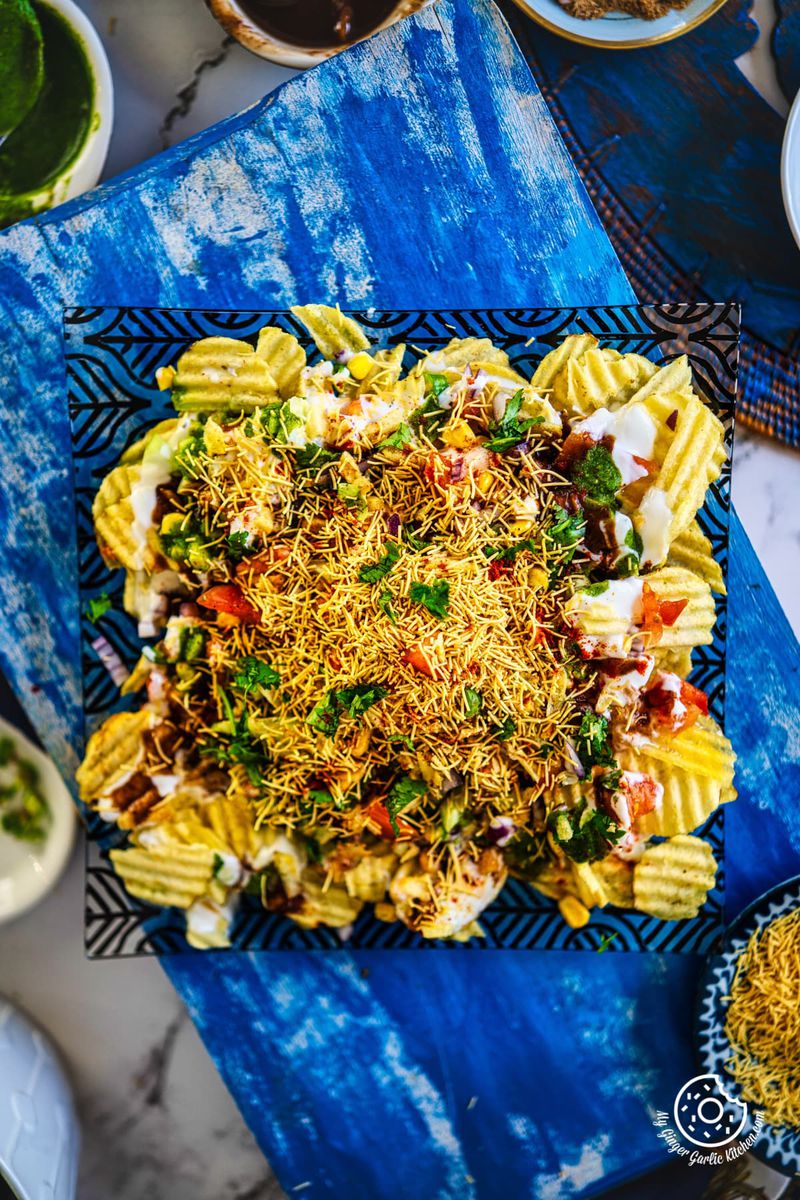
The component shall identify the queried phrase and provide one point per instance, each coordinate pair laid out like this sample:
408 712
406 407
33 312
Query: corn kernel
458 434
484 482
537 579
164 378
227 620
574 913
385 912
360 365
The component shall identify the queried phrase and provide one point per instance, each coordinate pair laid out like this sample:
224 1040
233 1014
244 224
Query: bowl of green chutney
61 101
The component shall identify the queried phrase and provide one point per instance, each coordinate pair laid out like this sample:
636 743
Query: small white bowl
84 170
790 169
28 872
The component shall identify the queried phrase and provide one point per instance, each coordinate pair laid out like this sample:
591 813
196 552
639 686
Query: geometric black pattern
112 355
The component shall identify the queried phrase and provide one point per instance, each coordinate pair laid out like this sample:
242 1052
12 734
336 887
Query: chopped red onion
110 660
573 762
458 470
501 830
394 524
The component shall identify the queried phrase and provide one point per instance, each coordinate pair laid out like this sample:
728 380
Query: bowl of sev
748 1020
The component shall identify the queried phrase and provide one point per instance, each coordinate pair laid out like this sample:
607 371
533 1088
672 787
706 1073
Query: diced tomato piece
641 795
500 568
649 464
377 814
651 613
228 598
576 447
670 610
415 657
691 695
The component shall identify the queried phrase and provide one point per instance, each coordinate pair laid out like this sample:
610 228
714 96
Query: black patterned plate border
112 355
778 1147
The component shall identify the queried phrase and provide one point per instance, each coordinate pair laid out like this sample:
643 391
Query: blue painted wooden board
420 168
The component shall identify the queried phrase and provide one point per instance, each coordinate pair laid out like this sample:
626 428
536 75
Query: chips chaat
414 631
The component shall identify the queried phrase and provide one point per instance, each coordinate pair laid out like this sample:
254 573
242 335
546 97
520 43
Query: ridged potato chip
677 659
220 373
332 906
284 356
589 886
207 925
113 750
387 369
599 378
369 879
692 550
615 876
672 879
171 875
695 769
553 364
335 334
461 352
114 518
694 624
676 376
692 462
135 451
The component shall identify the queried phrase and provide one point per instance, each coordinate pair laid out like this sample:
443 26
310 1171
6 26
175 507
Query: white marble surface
158 1122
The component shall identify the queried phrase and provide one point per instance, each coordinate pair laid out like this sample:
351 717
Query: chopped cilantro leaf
592 742
605 941
397 440
412 538
435 384
598 477
378 570
327 713
434 596
219 863
566 531
313 849
320 795
402 792
473 703
585 834
352 495
254 673
192 643
308 457
403 738
596 589
385 605
510 431
98 606
237 544
505 730
188 452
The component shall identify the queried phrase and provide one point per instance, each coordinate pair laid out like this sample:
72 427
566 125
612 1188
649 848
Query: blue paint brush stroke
339 187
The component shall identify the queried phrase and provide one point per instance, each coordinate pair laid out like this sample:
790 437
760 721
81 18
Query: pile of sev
763 1021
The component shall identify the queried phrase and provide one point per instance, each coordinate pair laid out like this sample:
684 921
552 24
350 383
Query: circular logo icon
706 1115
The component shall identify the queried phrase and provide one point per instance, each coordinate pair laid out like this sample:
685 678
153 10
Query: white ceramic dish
27 872
84 171
617 30
790 169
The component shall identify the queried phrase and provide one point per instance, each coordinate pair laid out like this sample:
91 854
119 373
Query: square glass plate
112 355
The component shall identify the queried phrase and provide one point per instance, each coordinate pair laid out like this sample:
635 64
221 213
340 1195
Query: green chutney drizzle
53 133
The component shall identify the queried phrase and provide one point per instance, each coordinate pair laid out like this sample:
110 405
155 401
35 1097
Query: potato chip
694 460
692 550
676 659
332 906
676 376
695 769
462 352
387 367
208 925
112 751
615 876
672 879
599 378
369 879
171 875
553 365
135 451
588 885
114 517
138 677
284 356
693 625
336 335
219 373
